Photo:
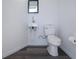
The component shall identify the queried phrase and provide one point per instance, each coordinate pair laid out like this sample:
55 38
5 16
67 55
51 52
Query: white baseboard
12 51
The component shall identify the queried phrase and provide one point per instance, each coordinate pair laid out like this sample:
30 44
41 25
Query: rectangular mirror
33 6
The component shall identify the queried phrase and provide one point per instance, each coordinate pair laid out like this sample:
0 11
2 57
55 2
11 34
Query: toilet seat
54 40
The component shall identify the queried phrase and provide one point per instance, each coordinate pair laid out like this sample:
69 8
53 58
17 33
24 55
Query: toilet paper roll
72 39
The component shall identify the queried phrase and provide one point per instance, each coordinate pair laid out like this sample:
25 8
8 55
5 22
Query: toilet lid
54 40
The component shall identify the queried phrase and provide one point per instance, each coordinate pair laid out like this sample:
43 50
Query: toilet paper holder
72 39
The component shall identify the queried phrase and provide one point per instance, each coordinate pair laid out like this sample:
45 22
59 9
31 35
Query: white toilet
53 40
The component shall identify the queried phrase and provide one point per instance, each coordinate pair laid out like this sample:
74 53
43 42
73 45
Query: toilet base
53 50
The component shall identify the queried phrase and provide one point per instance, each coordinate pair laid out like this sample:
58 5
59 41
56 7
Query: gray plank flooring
36 53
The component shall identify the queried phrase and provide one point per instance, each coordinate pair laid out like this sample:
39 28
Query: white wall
47 15
14 34
67 26
16 18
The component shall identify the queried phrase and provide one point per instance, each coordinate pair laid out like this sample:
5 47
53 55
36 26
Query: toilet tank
50 30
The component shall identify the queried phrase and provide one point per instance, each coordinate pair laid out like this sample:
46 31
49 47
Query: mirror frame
37 6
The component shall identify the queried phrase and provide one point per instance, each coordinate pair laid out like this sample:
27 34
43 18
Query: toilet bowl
53 40
53 43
